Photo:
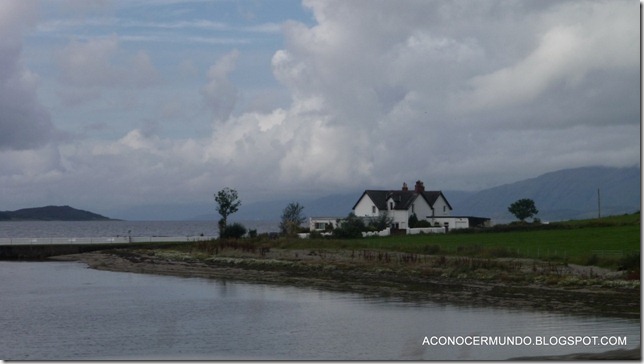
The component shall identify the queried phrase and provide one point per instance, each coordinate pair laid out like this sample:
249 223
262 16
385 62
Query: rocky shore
498 283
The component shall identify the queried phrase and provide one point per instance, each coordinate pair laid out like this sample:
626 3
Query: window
412 208
373 209
444 207
391 205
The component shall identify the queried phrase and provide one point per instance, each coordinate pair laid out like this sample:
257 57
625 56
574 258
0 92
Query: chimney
420 187
405 187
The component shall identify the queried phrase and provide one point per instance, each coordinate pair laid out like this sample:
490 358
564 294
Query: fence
102 240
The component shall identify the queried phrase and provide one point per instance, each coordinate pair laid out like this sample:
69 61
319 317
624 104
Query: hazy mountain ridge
560 195
52 213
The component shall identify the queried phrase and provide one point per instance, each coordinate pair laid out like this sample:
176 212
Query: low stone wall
432 230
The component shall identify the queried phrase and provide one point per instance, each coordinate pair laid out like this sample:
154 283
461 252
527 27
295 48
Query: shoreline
332 272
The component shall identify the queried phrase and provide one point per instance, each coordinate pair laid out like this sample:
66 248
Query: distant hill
51 213
561 195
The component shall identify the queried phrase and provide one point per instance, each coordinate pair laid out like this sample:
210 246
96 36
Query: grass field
606 242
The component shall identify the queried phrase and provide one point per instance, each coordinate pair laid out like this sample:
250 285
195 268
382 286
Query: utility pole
599 206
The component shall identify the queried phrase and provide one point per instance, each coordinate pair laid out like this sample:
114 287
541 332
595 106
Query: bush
630 262
351 228
380 222
234 231
413 221
423 224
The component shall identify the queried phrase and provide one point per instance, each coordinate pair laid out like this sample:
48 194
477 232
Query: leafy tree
351 227
292 218
380 222
227 204
523 209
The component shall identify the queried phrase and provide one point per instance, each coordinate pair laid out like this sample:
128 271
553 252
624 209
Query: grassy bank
612 242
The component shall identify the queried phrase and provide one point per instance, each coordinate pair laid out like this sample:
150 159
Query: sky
112 105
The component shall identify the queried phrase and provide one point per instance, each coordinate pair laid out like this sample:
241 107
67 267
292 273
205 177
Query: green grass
596 241
612 242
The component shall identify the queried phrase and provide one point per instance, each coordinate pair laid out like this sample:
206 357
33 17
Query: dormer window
391 205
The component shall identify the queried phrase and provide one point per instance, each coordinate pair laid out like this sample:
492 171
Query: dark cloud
24 122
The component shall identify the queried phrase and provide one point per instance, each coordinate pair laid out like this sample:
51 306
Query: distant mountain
51 213
331 205
561 195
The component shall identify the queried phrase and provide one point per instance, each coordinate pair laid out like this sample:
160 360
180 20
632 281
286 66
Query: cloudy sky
108 105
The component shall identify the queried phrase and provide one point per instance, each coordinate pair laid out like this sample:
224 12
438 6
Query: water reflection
64 311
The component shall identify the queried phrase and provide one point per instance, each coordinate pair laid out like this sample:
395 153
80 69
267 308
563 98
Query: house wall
365 207
441 208
421 208
400 217
453 222
314 223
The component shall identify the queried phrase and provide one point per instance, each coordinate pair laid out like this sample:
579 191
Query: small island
51 213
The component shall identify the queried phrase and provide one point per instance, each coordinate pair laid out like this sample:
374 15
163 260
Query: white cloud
220 94
580 38
381 92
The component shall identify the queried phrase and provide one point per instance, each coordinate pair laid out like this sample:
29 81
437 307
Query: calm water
64 311
83 229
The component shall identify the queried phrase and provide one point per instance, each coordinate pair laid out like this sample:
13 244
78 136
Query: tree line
228 203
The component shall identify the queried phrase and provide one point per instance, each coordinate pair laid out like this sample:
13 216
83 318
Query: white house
400 205
323 223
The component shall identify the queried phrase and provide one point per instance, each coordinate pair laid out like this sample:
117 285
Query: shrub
630 262
351 228
234 231
380 222
412 221
423 224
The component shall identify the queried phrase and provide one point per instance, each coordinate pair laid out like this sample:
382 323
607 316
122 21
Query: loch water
66 311
116 228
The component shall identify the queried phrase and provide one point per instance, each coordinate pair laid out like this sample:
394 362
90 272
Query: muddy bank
526 286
